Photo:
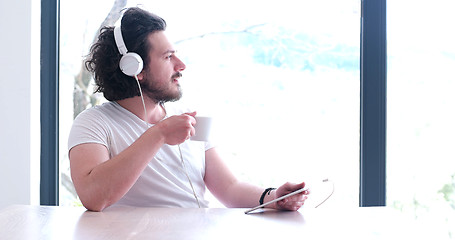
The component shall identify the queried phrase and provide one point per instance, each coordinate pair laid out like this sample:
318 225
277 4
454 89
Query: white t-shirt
163 183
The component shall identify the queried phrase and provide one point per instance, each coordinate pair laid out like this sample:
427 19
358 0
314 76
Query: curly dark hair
104 57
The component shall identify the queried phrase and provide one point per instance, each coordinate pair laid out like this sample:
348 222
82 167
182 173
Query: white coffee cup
203 129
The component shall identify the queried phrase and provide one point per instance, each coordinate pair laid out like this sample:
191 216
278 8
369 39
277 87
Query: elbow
92 201
94 204
94 207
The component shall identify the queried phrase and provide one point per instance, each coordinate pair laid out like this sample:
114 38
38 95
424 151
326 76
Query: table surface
46 222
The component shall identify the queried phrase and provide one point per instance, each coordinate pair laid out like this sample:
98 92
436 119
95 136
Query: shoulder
99 115
94 121
98 110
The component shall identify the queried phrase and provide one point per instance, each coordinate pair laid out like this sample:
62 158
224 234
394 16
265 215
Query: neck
155 111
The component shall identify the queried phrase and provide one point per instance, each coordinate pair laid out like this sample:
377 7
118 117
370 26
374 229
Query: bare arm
100 181
234 193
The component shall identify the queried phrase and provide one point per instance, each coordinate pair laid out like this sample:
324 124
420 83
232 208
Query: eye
170 55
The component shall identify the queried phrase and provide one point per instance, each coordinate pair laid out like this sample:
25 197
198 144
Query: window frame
373 96
49 77
373 63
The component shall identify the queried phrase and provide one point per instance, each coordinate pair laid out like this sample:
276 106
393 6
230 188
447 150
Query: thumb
293 187
193 114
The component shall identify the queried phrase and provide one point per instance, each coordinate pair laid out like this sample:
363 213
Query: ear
140 76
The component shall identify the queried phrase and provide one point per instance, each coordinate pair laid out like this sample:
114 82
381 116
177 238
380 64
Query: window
281 82
421 112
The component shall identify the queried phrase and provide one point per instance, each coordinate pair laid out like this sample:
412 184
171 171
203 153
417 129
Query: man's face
161 77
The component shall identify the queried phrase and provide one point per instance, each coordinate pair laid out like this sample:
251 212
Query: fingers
292 204
178 128
192 122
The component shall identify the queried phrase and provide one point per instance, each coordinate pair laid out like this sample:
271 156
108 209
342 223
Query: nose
179 65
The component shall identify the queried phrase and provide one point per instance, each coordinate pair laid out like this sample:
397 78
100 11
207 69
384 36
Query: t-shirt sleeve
209 145
88 128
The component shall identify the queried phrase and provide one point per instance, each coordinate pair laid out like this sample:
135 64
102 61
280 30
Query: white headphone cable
142 98
333 190
180 151
188 176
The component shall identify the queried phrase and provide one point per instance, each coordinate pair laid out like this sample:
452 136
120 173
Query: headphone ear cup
131 64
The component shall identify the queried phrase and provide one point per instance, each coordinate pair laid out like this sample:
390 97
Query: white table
44 222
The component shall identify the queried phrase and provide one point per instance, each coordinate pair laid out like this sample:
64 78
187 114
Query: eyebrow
169 51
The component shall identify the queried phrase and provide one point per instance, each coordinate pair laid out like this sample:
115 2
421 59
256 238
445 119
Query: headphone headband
119 40
131 63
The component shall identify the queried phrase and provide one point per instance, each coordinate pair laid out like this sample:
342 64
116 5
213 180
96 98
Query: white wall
19 102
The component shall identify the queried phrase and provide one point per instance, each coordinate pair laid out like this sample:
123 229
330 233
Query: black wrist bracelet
266 191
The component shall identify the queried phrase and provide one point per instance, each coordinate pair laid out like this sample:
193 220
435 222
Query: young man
134 151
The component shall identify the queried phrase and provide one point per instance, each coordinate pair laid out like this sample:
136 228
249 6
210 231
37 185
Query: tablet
277 199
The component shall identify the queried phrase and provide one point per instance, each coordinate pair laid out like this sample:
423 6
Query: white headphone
131 63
